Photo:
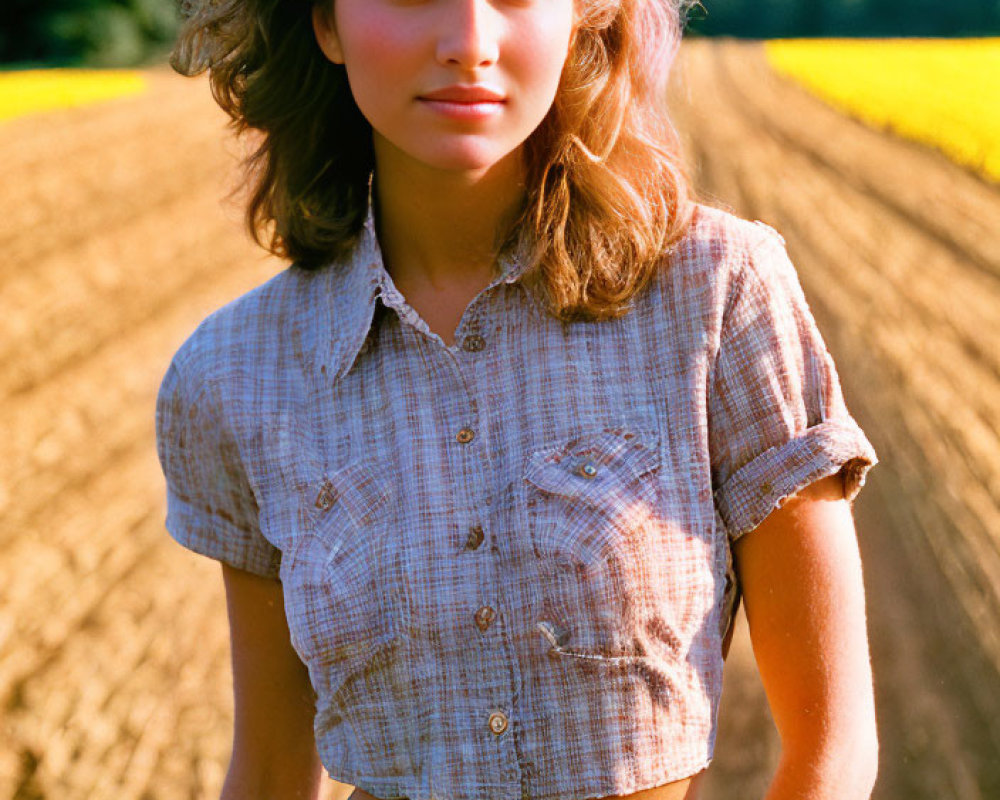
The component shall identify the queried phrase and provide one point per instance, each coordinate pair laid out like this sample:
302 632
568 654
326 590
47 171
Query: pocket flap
591 461
357 488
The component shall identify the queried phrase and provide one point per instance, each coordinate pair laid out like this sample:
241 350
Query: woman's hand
274 749
801 575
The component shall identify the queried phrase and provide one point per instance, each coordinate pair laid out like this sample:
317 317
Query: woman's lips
462 109
465 101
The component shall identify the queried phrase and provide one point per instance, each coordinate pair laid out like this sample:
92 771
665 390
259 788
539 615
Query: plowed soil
898 251
117 240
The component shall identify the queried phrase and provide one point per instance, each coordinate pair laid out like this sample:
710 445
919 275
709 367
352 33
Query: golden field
940 92
33 91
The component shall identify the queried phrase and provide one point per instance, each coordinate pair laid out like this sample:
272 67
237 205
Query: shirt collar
364 281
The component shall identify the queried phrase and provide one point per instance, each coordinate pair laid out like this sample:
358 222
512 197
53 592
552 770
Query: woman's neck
438 228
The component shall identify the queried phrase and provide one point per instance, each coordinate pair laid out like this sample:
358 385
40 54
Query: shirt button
588 469
465 435
484 616
765 487
498 722
475 537
473 343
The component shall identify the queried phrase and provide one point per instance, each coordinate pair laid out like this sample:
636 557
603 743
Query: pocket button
326 497
475 537
588 469
484 616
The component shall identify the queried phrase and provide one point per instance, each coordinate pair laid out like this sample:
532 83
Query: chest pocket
342 594
591 497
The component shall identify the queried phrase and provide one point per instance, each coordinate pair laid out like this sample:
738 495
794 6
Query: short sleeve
211 508
777 416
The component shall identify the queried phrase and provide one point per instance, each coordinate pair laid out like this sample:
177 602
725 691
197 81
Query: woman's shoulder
717 248
707 266
718 230
255 327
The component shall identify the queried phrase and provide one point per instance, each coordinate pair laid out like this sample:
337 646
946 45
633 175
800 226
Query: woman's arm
274 750
800 570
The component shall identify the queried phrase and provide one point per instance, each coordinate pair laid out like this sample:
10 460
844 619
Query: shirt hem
393 788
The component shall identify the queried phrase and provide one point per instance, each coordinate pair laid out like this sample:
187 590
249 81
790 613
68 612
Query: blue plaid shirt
506 563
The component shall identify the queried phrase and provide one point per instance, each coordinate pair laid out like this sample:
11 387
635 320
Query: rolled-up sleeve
211 507
777 416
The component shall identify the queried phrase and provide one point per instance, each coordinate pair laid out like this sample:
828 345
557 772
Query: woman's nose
470 34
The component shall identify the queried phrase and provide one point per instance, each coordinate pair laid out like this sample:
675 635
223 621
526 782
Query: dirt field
114 671
899 255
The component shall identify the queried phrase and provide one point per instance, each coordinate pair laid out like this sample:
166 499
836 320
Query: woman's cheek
543 50
376 42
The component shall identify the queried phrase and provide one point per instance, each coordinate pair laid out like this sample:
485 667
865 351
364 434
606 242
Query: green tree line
782 18
130 32
86 32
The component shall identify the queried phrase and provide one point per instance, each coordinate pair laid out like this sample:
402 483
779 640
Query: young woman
490 464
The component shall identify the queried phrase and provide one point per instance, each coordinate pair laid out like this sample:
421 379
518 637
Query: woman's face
453 84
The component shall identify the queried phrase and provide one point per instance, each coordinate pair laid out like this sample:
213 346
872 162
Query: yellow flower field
33 91
942 92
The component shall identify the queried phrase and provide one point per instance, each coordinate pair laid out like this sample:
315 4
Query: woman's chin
470 159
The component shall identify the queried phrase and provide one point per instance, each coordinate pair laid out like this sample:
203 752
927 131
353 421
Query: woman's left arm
801 576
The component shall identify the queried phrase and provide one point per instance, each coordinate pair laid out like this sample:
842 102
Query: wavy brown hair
607 192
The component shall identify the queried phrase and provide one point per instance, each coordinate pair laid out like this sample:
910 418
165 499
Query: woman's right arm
212 510
274 750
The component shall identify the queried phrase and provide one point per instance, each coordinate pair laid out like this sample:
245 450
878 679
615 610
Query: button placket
485 615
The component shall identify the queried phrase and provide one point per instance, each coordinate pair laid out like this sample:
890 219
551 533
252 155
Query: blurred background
97 33
878 160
